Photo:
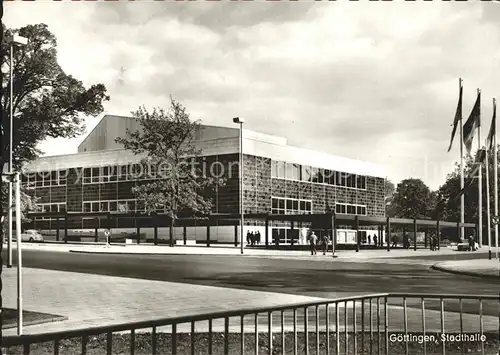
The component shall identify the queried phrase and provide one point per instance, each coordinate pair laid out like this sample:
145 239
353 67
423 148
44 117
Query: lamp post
20 41
240 121
16 178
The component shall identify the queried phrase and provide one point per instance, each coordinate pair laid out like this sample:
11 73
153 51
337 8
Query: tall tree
46 101
165 143
412 199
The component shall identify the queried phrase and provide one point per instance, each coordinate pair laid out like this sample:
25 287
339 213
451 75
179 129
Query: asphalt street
305 277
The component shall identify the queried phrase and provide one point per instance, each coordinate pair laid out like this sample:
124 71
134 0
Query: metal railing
386 323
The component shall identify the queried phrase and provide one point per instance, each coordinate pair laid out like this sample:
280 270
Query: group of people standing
253 238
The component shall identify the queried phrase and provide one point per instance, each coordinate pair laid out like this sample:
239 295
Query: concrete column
358 239
57 228
414 234
438 235
96 233
266 232
155 219
208 234
66 228
388 234
334 234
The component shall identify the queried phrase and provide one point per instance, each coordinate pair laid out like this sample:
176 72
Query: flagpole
495 173
480 186
488 214
462 198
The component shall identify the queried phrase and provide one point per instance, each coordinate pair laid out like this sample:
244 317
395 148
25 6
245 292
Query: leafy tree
46 102
448 204
166 142
412 199
28 204
389 192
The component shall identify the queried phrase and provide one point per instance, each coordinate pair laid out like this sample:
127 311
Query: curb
38 322
194 254
466 273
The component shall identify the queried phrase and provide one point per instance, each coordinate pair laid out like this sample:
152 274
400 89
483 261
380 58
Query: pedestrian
394 241
432 242
258 237
369 239
325 242
313 239
107 235
471 241
249 240
375 240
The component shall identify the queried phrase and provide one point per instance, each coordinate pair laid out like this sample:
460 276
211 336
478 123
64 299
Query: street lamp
240 121
15 39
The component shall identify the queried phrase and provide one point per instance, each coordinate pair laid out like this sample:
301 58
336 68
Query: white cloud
375 81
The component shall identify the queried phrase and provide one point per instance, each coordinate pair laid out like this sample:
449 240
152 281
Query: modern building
277 178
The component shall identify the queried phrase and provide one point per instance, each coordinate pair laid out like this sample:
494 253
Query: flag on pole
480 158
472 123
491 135
458 117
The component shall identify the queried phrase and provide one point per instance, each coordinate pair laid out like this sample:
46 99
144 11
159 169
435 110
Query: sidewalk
231 250
479 267
94 300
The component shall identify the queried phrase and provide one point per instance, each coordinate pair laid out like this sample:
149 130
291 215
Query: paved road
312 278
326 278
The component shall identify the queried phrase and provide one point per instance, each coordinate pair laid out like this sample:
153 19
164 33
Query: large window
329 177
318 175
50 207
346 208
306 174
291 206
292 171
351 180
361 182
130 205
45 178
341 179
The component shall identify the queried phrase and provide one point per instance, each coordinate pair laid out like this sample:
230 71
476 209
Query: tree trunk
172 223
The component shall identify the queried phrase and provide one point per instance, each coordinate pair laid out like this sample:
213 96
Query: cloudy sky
372 81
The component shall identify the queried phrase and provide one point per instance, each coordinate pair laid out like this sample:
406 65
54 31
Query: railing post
226 336
306 331
270 333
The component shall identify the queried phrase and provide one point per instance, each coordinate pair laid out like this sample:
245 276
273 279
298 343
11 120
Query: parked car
31 235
